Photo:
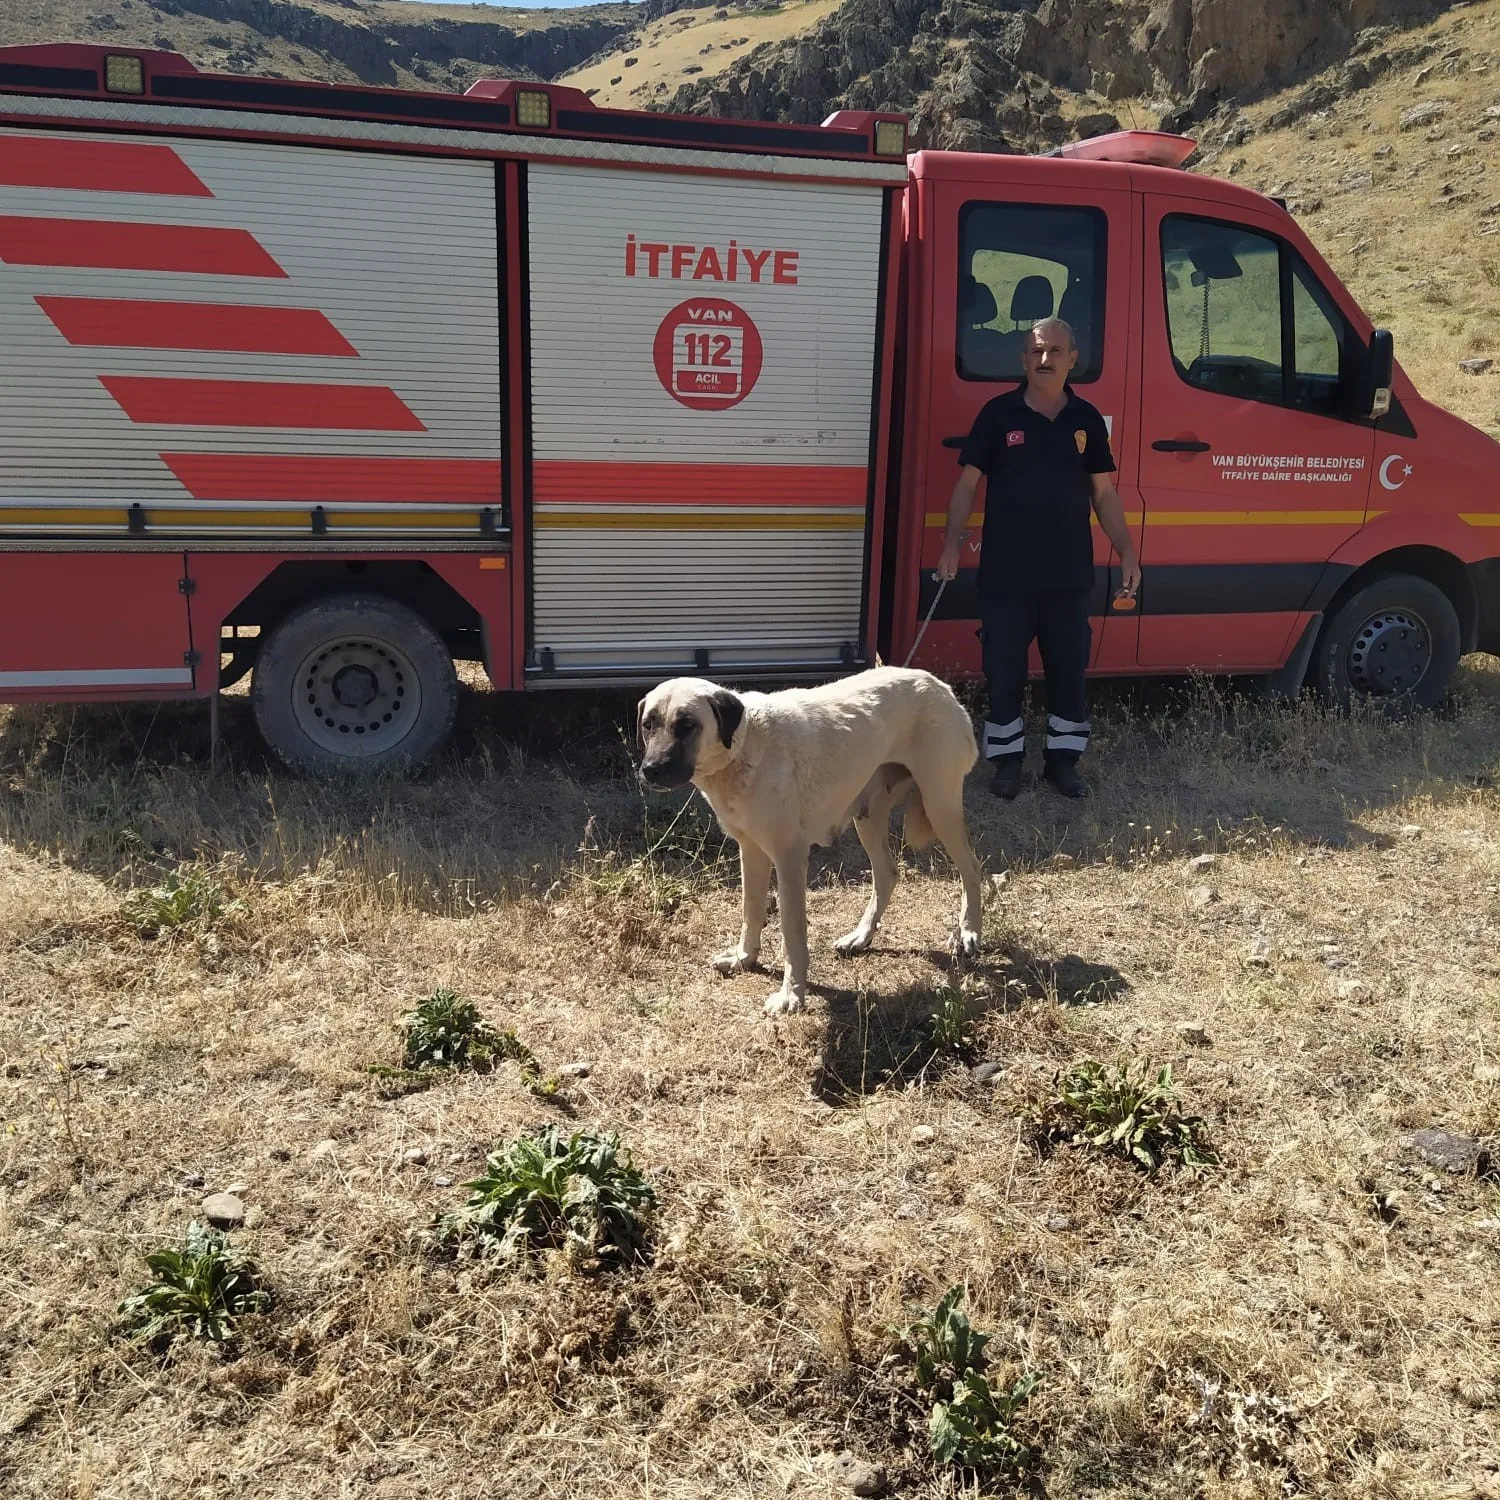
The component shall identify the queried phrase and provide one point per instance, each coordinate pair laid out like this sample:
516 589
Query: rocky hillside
1017 74
391 42
982 74
1391 160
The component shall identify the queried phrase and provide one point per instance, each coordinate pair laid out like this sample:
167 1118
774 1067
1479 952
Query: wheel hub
1390 653
355 686
357 696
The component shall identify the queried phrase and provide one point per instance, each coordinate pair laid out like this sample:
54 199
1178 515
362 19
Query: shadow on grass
531 784
927 1029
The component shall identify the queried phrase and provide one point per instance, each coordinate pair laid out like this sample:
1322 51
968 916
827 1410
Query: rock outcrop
985 74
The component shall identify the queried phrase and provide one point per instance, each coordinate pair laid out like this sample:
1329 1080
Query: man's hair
1062 323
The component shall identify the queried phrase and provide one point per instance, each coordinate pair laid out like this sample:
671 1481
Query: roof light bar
1147 148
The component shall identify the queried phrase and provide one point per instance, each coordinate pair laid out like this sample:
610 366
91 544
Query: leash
942 584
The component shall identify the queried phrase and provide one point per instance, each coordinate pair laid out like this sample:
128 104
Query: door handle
1180 445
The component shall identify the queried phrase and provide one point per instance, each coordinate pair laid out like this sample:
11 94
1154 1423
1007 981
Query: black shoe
1066 781
1007 782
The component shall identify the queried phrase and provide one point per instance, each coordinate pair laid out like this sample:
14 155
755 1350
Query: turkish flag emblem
1014 439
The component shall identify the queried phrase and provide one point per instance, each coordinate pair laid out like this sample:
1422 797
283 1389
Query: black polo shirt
1039 492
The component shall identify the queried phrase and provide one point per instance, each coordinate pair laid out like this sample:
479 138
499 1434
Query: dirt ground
1318 1315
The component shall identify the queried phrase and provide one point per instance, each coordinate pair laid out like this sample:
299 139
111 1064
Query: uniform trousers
1058 621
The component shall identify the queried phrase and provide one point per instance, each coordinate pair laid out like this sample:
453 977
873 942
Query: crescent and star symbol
1385 472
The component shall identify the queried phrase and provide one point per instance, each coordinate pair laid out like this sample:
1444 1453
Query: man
1045 454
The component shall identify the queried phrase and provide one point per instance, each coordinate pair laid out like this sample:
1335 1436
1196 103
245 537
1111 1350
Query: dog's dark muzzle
666 772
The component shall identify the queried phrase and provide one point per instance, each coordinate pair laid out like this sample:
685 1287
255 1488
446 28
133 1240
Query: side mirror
1373 396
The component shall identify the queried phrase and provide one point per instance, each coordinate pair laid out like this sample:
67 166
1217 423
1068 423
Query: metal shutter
230 333
737 527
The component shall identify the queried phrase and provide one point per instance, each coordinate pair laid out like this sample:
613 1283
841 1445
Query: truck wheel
354 684
1393 643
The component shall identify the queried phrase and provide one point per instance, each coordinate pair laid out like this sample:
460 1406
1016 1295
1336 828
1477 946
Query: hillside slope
986 74
1397 180
390 42
703 41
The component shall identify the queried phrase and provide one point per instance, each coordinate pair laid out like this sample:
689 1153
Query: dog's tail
917 827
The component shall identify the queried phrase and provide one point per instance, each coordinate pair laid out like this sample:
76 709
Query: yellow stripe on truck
615 520
1257 517
165 519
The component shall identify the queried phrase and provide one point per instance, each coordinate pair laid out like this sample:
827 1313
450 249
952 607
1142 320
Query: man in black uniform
1045 454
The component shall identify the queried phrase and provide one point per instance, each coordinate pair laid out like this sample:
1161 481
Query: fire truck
336 386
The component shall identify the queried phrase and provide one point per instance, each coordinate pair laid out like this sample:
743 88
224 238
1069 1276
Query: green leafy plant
943 1343
1124 1113
976 1429
952 1028
445 1032
180 899
199 1289
545 1190
973 1425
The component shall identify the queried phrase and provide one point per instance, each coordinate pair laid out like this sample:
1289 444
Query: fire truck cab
1299 510
336 385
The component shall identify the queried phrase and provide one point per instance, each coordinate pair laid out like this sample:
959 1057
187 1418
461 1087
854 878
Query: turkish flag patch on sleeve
1015 439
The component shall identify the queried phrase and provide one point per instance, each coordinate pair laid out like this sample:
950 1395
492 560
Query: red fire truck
336 385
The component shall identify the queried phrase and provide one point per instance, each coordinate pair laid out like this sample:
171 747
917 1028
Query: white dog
783 771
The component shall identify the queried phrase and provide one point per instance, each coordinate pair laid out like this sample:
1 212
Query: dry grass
1312 1317
1345 972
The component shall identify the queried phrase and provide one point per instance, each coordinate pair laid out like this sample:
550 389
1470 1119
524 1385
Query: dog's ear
728 710
640 728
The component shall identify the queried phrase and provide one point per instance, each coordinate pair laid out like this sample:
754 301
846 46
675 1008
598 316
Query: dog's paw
966 946
858 941
731 961
783 1003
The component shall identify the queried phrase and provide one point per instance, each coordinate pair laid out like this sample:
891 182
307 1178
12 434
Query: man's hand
1130 573
960 505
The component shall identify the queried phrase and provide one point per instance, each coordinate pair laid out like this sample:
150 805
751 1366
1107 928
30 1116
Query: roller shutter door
702 357
230 334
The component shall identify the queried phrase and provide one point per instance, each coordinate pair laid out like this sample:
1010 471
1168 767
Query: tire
1392 644
353 685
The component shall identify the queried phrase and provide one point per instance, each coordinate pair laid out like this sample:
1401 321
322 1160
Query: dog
784 771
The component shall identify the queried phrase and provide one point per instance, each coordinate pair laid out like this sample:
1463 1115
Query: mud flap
1285 684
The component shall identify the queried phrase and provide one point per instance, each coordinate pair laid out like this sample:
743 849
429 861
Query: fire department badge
1082 439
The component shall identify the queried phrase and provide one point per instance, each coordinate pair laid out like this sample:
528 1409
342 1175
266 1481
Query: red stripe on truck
97 166
327 478
129 323
105 244
260 403
564 482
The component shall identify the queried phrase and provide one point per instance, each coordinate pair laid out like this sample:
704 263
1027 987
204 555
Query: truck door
1250 475
1000 253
